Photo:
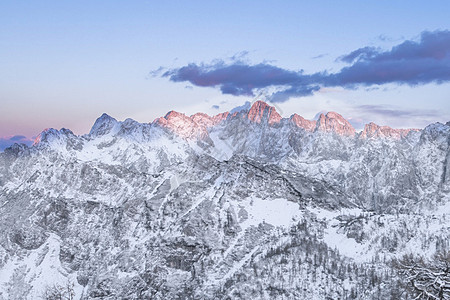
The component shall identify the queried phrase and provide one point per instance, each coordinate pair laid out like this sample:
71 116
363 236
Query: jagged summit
103 125
334 122
200 125
174 118
50 134
260 111
301 122
44 135
181 125
207 121
174 115
373 130
16 148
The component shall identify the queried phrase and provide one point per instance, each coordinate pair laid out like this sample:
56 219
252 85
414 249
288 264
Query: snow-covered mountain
244 204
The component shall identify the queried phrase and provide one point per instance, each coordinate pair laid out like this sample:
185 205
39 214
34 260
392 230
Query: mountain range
244 204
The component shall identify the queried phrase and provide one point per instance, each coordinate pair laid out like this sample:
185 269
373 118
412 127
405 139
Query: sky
64 63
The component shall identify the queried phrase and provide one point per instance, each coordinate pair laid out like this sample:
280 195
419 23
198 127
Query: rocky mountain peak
203 119
207 121
15 149
53 138
46 135
175 119
220 117
373 130
183 125
171 115
103 125
301 122
261 111
334 122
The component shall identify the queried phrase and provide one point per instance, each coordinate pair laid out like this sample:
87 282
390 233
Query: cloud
361 53
394 116
384 110
18 138
239 78
239 56
294 91
5 142
409 63
319 56
215 107
157 72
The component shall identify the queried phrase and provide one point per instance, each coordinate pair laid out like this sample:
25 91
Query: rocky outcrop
235 206
261 112
301 122
373 130
335 123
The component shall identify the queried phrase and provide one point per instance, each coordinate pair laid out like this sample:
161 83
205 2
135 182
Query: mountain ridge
234 206
196 125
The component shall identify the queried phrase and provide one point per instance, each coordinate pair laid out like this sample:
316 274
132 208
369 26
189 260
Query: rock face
301 122
261 112
373 130
334 122
103 125
240 205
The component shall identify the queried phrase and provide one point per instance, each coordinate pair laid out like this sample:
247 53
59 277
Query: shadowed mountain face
239 205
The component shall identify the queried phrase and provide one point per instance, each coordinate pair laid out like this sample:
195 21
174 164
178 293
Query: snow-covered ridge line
199 125
240 205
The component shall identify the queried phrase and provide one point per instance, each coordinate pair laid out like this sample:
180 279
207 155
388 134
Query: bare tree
59 292
426 279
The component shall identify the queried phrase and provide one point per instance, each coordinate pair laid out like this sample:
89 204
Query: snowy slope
240 205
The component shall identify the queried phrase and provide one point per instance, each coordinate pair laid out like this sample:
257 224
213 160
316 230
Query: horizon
20 139
66 63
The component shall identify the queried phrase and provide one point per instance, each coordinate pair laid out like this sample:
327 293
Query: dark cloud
361 53
411 63
295 91
6 142
215 106
237 78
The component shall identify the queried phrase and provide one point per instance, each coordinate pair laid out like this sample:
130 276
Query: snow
44 270
338 240
146 164
223 150
346 246
239 264
443 209
277 212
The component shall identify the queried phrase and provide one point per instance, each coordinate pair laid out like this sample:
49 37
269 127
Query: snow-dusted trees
59 292
426 279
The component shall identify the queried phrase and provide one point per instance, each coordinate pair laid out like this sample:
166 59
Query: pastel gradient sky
64 63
